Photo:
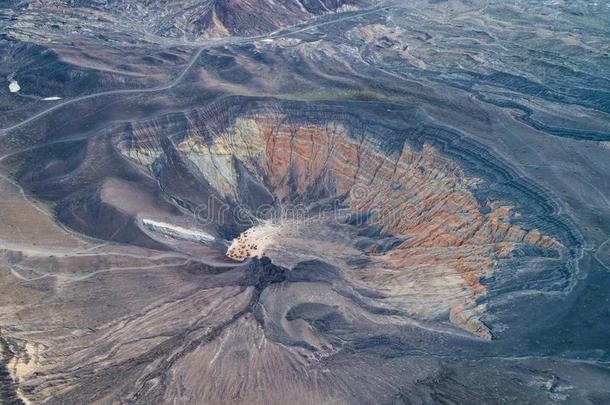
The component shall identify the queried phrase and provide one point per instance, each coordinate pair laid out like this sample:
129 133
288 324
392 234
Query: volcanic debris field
341 201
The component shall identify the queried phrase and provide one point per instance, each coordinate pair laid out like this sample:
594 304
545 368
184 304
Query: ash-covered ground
337 201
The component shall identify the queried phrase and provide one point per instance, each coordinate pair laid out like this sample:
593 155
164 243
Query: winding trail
208 45
596 254
56 107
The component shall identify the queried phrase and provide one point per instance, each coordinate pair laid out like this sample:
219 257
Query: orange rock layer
419 197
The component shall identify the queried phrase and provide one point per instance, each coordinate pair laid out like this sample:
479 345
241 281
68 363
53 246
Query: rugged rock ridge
202 20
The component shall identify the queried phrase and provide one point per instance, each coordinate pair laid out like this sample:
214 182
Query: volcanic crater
310 227
398 220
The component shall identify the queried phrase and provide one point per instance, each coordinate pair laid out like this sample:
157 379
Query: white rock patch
13 86
177 232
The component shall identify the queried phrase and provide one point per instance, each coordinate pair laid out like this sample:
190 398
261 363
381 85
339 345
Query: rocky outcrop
253 242
391 38
195 19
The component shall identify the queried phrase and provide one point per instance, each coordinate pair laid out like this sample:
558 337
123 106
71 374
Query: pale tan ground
23 222
254 241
